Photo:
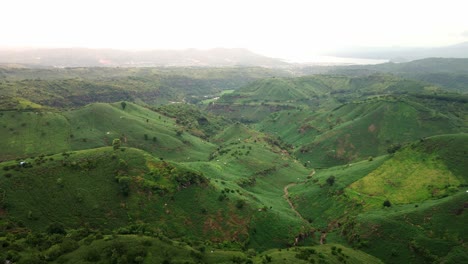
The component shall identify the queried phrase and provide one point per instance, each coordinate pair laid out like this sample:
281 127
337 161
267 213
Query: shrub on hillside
92 255
393 148
124 185
387 203
331 180
240 204
56 228
116 143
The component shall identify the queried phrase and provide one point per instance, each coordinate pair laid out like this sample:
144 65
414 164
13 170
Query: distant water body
330 60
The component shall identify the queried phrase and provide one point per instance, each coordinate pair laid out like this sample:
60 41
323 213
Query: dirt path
286 196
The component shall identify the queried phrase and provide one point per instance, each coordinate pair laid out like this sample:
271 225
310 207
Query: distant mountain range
82 57
218 57
403 54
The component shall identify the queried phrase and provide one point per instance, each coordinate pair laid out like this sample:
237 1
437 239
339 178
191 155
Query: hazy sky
293 29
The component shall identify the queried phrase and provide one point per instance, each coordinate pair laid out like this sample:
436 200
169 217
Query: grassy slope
95 121
244 155
431 231
411 176
449 73
85 192
256 101
96 125
246 164
314 92
324 204
248 167
158 250
425 222
358 130
432 168
80 86
330 253
29 133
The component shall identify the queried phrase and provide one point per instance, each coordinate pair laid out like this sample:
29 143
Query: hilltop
97 125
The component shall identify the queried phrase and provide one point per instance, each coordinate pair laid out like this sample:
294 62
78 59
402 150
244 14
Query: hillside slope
96 125
254 102
357 130
109 189
74 87
408 205
449 73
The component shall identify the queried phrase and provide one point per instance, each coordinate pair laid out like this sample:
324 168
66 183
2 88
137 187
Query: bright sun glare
291 29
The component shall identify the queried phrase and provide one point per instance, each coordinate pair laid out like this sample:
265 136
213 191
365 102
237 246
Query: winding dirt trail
286 196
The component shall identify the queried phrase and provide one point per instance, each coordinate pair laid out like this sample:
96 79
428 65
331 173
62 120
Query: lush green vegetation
96 167
449 73
71 87
407 205
96 125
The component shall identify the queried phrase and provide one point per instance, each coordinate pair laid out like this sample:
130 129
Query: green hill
96 248
250 163
408 205
312 169
361 129
105 188
449 73
247 173
74 87
331 253
96 125
254 102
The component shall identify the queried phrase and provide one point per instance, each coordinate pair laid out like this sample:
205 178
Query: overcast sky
291 29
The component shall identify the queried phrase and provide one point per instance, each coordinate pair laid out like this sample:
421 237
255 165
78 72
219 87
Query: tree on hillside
331 180
56 228
123 104
124 185
393 148
116 143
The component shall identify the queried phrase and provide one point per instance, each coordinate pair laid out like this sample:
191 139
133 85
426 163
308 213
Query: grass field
96 125
315 169
425 187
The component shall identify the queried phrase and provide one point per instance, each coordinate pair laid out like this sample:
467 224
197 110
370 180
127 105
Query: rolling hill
96 125
396 207
253 102
449 73
358 130
332 120
96 166
75 87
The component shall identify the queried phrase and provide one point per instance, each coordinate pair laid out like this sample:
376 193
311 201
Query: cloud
465 34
